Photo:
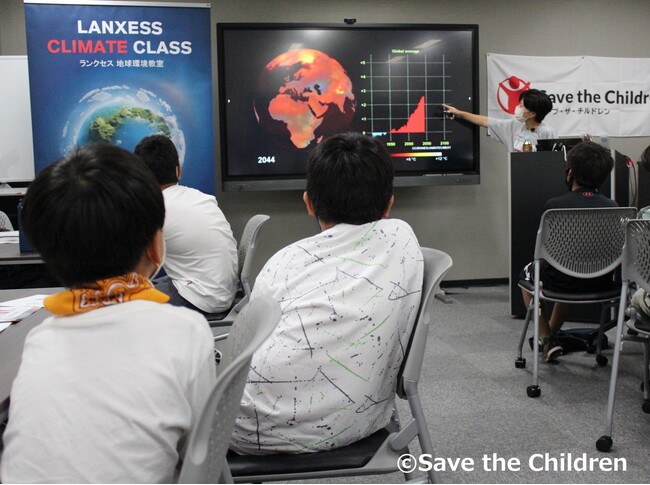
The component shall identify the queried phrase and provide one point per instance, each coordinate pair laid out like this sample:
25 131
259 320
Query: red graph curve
415 123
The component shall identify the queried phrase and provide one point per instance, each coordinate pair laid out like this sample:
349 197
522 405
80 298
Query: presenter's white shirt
512 133
326 377
108 396
201 252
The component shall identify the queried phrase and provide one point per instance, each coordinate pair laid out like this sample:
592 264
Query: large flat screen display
283 88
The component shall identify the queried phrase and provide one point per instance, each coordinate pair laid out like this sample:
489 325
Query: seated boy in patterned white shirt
350 294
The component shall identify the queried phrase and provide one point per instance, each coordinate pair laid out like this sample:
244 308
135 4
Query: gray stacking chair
583 243
205 458
379 452
245 255
635 271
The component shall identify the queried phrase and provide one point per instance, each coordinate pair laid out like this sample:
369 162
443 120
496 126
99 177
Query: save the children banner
116 72
602 96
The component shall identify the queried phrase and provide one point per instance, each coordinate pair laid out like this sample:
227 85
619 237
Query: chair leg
646 376
534 390
425 444
520 362
424 437
600 358
605 442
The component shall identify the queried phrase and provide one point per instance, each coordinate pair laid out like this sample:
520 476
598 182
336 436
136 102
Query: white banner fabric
601 96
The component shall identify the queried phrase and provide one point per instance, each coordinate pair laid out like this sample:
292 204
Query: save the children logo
597 95
509 91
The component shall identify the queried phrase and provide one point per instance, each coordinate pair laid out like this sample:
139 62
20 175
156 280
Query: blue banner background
69 91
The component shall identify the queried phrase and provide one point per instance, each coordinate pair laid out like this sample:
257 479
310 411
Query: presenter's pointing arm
479 120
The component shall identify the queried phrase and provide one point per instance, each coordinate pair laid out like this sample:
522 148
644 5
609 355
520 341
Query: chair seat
356 455
221 319
613 293
215 318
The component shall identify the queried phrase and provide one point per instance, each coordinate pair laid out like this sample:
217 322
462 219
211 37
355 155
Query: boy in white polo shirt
201 258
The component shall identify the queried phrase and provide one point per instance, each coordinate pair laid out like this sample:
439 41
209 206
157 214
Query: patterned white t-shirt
326 376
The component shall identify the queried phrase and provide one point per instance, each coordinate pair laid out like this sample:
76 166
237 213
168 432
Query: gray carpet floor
476 403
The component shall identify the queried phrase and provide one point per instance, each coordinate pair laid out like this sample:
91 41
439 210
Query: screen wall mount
283 88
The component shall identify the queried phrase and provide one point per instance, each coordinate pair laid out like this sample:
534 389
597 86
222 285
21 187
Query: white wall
470 223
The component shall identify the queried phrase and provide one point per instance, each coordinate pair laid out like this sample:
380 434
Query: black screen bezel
298 182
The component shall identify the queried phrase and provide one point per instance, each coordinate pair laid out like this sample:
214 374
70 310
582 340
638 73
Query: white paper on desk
4 325
16 310
27 301
8 237
15 314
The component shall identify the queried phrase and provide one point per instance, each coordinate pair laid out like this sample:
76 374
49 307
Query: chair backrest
5 222
245 330
636 253
246 249
436 266
644 213
583 243
205 458
245 255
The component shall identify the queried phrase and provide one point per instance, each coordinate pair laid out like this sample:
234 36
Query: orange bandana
110 291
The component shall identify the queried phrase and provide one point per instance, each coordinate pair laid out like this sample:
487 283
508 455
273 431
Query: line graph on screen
402 97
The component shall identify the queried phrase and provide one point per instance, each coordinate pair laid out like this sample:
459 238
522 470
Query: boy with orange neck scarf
110 385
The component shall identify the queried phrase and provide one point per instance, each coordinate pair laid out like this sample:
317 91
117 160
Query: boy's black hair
538 102
161 156
590 164
350 179
92 214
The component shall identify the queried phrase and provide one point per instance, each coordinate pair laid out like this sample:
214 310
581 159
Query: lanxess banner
115 72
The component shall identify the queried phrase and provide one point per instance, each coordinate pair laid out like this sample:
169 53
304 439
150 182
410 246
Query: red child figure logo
509 91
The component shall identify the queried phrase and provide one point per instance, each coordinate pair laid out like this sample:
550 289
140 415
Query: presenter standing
527 124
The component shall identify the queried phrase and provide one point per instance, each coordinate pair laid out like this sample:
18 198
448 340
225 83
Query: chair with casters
581 243
245 255
205 456
379 452
635 273
5 222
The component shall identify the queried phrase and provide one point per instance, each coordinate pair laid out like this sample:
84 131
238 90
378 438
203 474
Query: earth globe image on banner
121 116
302 96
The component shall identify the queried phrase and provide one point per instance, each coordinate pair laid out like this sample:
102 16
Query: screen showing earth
304 94
283 88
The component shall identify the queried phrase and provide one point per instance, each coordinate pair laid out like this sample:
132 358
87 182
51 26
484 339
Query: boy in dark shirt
589 164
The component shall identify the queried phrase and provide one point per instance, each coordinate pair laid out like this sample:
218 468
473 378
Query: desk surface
12 341
10 254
